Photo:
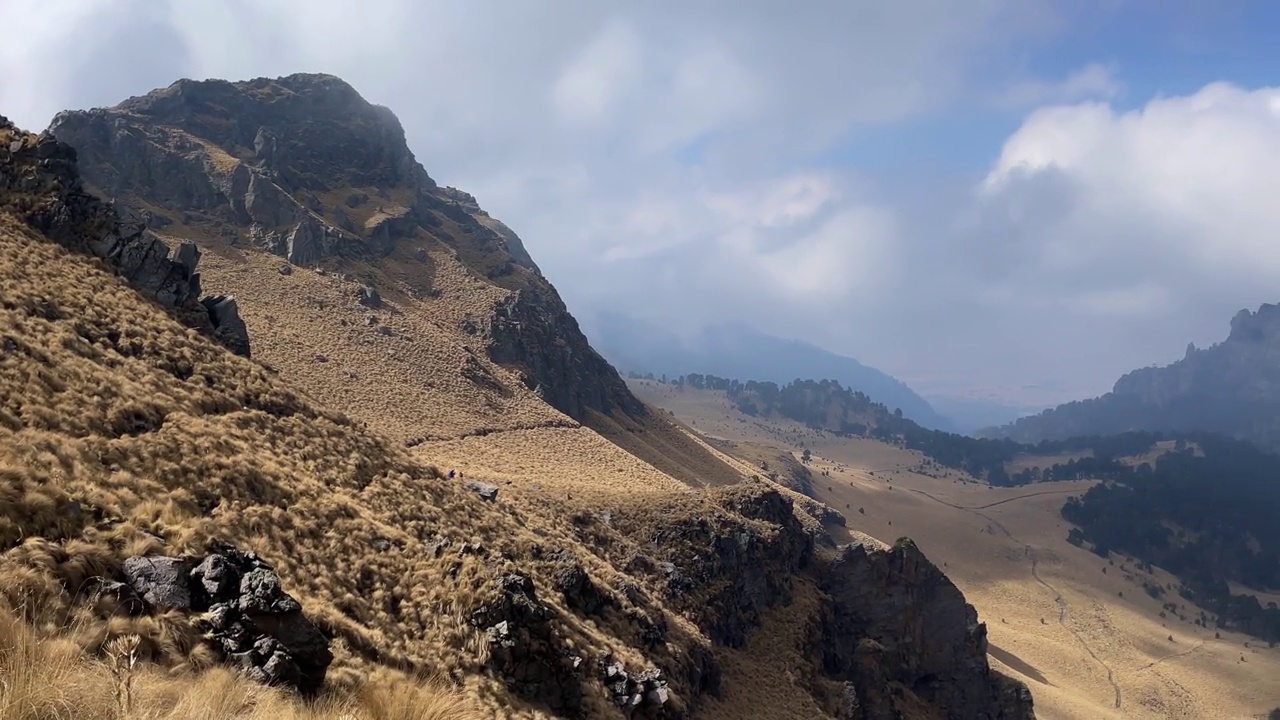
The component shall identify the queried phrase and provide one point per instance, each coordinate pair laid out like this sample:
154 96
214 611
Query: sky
1018 199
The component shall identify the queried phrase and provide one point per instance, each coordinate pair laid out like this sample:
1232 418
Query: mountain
1232 387
197 482
402 276
740 352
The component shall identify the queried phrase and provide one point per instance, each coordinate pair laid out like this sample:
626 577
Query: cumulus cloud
1122 235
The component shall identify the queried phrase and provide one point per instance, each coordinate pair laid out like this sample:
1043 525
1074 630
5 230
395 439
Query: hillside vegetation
147 462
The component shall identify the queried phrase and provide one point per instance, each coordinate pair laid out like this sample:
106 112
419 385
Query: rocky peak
1263 325
305 168
1231 387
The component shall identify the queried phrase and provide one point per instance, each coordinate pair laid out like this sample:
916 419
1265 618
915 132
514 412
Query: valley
1081 631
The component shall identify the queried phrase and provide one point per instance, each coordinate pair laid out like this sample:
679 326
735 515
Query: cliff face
898 626
891 633
305 168
39 181
1232 388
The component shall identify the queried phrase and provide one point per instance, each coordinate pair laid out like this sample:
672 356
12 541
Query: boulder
486 491
163 583
228 327
368 296
247 617
579 592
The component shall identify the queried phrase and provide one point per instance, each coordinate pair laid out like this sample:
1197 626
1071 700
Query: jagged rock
532 329
250 620
227 324
162 582
579 592
486 491
368 296
524 649
255 623
895 618
725 573
47 172
637 693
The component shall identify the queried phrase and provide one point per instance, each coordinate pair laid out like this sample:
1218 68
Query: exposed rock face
892 627
525 650
1232 387
305 168
534 330
896 620
252 623
41 175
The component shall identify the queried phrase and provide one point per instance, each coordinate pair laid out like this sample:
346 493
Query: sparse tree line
1209 516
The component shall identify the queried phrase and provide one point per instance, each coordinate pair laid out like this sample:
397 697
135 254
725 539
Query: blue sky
1019 199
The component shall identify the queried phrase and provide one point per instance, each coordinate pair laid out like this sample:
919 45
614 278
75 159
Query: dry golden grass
121 433
398 368
985 539
43 677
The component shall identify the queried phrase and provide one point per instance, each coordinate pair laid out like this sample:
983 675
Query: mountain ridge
739 351
1231 387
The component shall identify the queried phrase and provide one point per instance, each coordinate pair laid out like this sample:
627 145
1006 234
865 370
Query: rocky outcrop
726 569
890 628
534 331
896 624
525 650
249 620
1232 388
39 175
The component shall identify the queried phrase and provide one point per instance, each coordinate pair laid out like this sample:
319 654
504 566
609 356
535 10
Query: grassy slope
165 439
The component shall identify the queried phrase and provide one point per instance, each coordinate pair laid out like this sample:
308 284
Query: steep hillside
1232 387
737 351
359 277
177 507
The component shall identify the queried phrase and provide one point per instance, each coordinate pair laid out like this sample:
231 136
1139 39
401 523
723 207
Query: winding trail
1058 597
1063 608
1172 656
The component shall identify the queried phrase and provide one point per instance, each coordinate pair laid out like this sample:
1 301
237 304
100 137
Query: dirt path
1172 656
1063 609
1058 597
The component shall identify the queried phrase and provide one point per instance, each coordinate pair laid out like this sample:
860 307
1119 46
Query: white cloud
674 157
589 90
1094 81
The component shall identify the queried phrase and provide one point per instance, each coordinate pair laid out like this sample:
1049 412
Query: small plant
122 659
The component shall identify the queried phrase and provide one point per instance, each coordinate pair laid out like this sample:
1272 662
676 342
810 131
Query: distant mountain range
739 352
1232 387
